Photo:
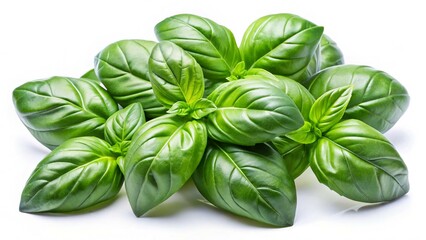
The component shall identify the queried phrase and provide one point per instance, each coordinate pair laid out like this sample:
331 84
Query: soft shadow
185 198
368 207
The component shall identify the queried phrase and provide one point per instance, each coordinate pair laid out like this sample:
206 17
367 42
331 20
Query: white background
39 39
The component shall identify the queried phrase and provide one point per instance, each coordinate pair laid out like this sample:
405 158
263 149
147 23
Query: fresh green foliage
161 159
358 162
248 181
239 122
331 55
122 68
212 45
283 44
59 108
377 99
250 112
80 173
175 75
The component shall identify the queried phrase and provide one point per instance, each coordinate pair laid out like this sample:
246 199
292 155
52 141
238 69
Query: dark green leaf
294 154
123 68
250 112
121 126
59 108
358 162
377 98
162 157
175 75
80 173
212 45
248 181
329 108
331 55
283 44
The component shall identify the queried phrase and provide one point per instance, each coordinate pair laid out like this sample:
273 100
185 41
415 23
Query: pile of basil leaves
241 122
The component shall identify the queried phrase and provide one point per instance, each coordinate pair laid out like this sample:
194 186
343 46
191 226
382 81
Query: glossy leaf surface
162 157
211 44
377 98
250 112
358 162
80 173
283 44
248 181
91 75
122 125
123 68
329 108
331 55
59 108
294 155
175 75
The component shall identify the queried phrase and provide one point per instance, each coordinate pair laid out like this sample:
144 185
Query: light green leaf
328 109
175 75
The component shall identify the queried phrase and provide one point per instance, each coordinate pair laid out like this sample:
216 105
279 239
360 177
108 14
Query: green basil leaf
377 98
211 85
91 75
162 157
303 135
59 108
80 173
358 162
202 108
248 181
328 54
331 55
175 75
250 112
294 155
122 67
212 45
283 44
121 126
180 108
328 109
296 91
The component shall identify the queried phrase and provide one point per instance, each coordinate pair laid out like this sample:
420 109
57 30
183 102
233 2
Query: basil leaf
294 155
331 55
175 75
358 162
91 75
283 44
202 108
211 85
162 157
212 45
122 67
296 91
248 181
121 126
80 173
304 135
250 112
327 54
328 109
377 98
59 108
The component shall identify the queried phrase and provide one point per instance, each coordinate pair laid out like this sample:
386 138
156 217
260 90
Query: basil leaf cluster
240 121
